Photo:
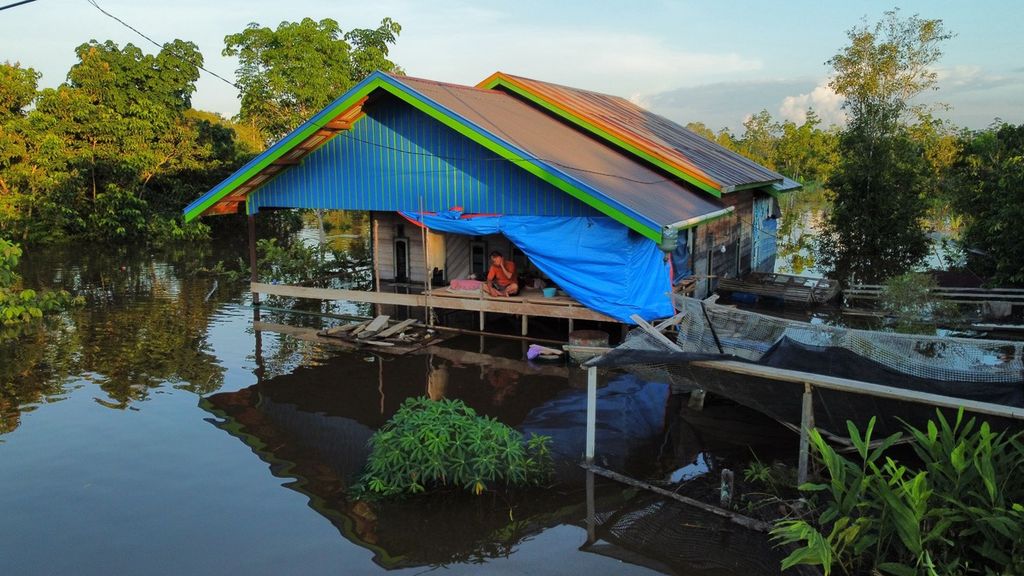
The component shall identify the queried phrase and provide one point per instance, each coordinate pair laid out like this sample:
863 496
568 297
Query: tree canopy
988 191
113 153
875 228
286 75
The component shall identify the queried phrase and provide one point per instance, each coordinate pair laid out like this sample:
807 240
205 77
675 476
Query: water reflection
152 326
311 427
144 326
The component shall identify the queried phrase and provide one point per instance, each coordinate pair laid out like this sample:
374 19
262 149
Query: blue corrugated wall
395 157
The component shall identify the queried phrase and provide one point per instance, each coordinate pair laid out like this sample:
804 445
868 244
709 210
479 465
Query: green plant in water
18 305
909 300
961 513
431 444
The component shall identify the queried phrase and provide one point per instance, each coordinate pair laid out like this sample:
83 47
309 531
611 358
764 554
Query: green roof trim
590 127
280 149
395 87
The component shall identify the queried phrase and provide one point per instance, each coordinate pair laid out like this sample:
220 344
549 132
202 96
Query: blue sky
714 62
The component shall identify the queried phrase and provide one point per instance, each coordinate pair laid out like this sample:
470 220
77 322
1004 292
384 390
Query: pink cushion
465 284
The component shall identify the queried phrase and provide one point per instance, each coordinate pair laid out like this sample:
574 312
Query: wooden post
806 423
426 266
375 234
591 412
253 275
591 509
526 323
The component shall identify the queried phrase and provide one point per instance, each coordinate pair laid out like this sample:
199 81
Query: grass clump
431 444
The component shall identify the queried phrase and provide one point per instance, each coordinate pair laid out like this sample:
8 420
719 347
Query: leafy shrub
908 299
430 444
961 513
18 306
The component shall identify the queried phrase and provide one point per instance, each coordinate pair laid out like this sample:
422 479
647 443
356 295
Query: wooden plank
646 327
745 521
310 335
397 328
343 328
374 327
858 387
500 305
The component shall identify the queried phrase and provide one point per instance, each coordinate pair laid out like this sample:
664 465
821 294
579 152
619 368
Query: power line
16 4
154 42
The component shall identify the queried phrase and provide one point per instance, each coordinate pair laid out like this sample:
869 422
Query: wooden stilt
806 423
591 510
253 274
375 233
526 323
426 267
591 412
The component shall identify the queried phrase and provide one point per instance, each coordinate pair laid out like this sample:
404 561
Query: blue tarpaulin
596 260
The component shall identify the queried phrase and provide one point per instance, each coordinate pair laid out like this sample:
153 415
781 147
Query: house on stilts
613 204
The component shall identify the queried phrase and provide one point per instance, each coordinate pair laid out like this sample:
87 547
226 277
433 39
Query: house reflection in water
312 425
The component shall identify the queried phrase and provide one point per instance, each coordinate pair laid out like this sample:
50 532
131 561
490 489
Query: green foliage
802 152
909 300
875 229
18 305
960 513
288 74
17 88
114 153
431 444
988 191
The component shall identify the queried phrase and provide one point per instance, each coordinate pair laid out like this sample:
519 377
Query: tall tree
760 133
112 153
806 152
988 191
288 74
875 230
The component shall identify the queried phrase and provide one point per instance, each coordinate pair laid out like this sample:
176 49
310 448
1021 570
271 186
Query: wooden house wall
397 158
456 262
387 225
722 248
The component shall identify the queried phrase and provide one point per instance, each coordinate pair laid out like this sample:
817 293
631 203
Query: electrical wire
157 44
16 4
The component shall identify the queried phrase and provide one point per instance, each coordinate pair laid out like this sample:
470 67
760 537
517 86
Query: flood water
152 431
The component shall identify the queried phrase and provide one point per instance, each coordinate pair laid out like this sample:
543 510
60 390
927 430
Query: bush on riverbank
431 444
960 512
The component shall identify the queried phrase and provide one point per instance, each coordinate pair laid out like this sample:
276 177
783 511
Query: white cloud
826 104
612 62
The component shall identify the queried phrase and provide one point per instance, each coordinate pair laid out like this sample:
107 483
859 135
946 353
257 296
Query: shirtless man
501 278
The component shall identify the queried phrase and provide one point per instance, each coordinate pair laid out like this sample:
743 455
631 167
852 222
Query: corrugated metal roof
619 119
621 177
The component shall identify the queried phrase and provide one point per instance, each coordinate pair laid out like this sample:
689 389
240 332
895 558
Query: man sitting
501 278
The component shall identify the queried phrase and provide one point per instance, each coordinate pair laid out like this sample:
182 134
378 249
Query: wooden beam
745 521
654 333
858 387
337 124
499 305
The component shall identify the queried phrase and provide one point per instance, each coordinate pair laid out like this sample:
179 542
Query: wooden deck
786 287
528 303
